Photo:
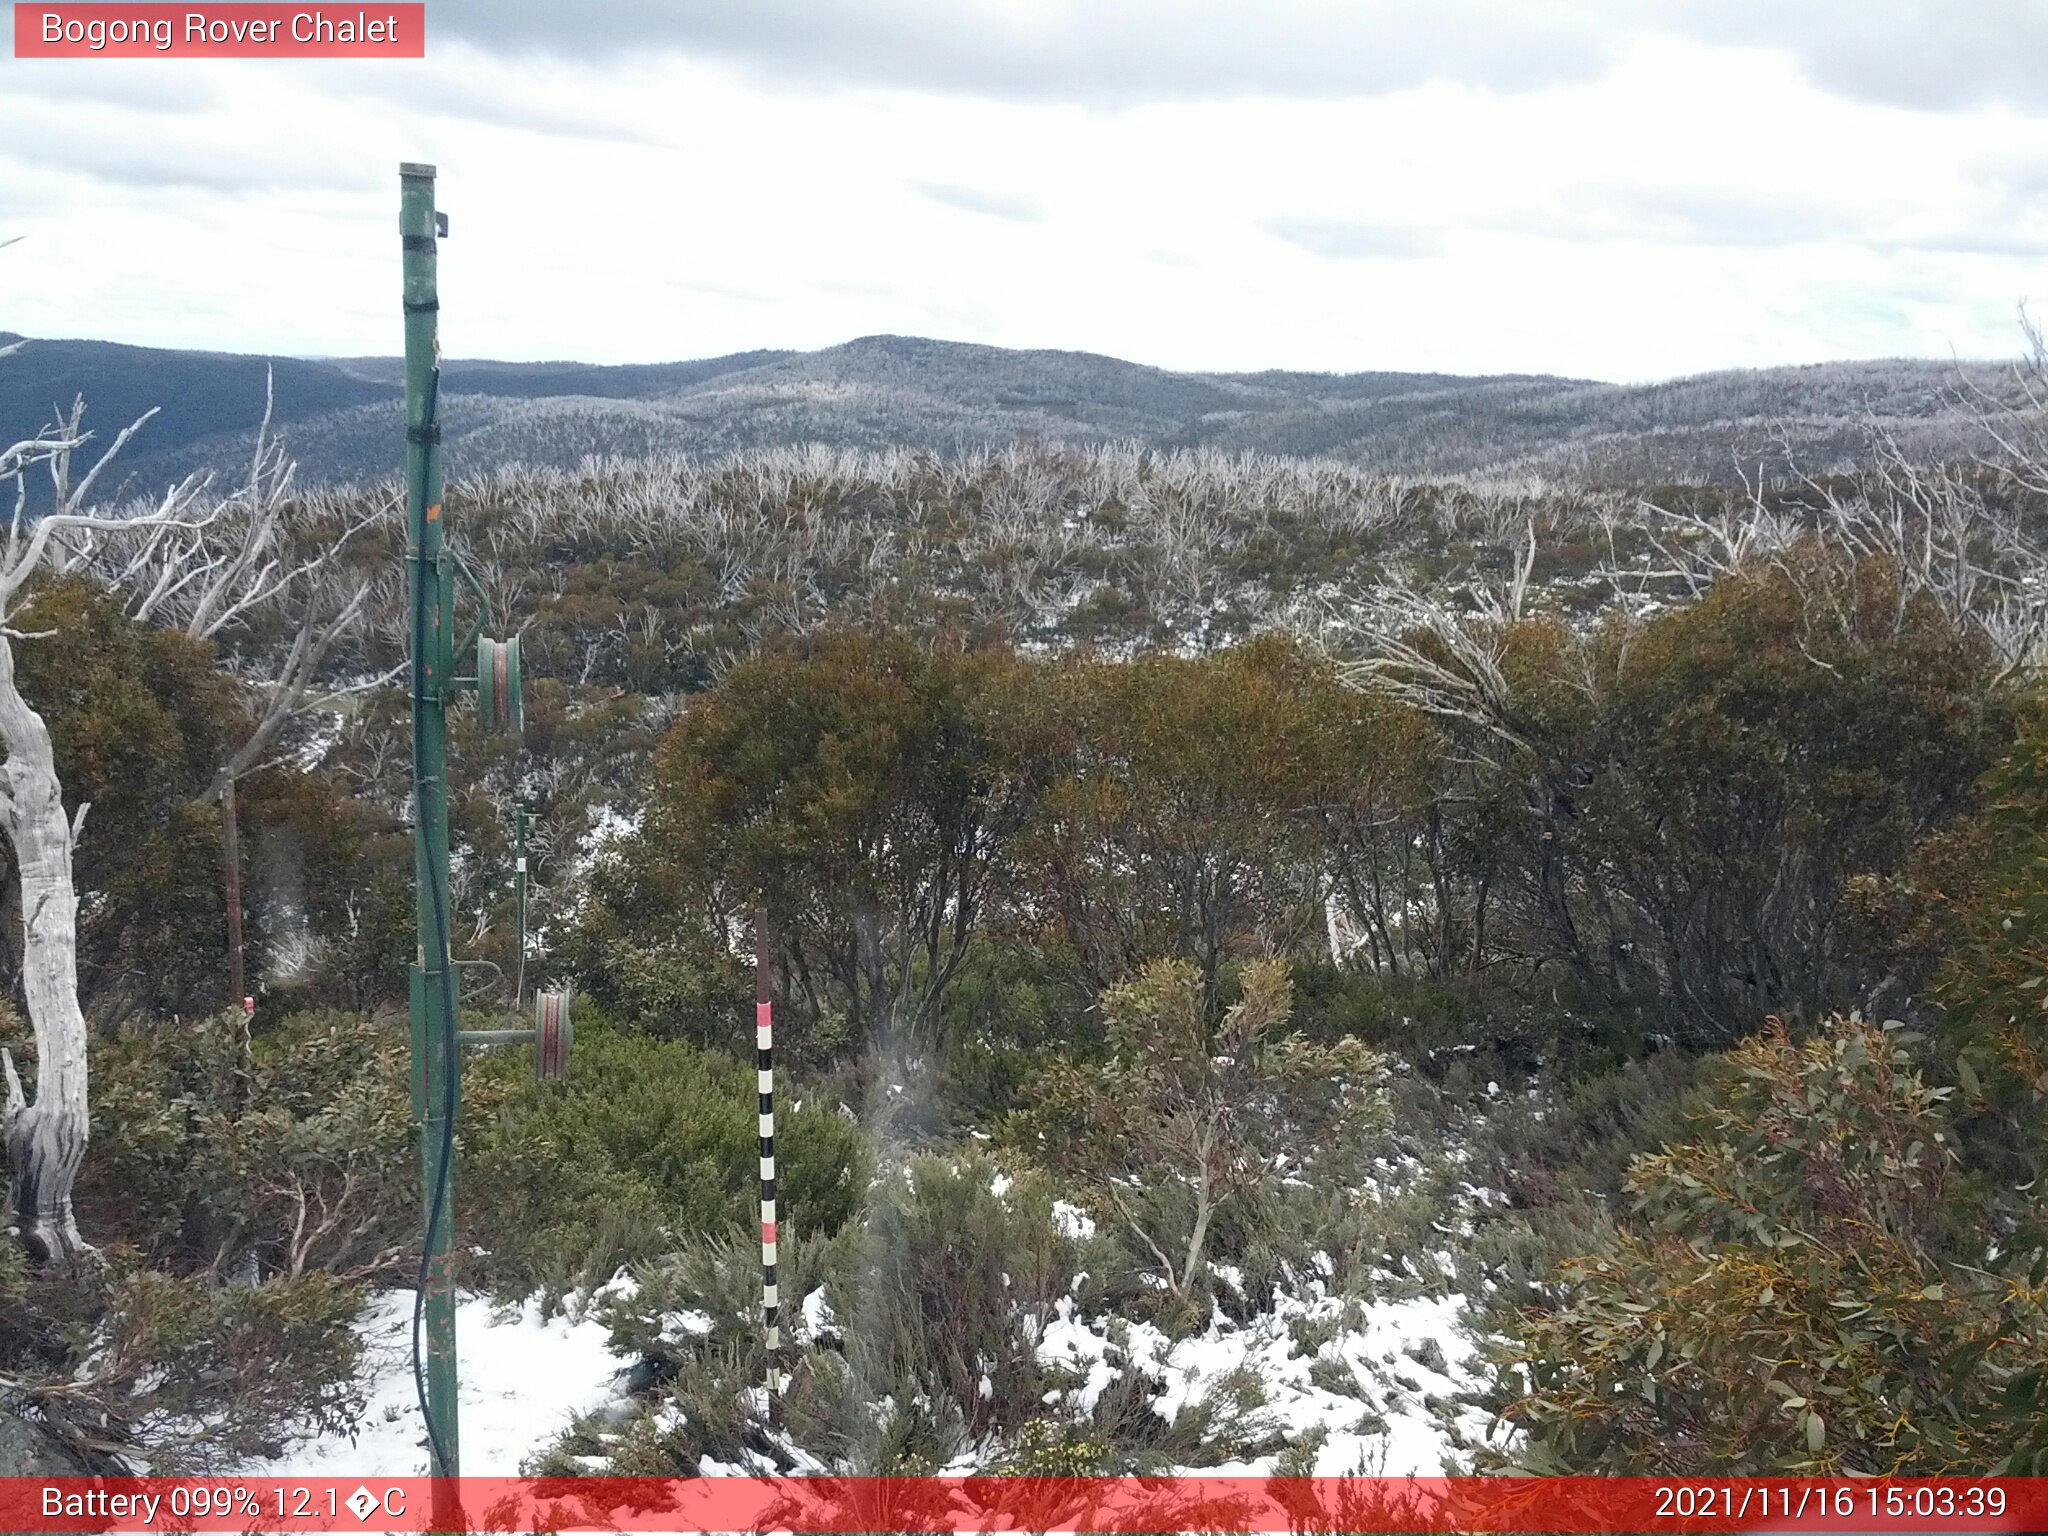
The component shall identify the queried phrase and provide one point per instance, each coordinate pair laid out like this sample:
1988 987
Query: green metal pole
436 1057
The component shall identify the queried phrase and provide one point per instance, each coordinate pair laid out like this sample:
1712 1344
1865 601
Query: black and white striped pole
764 1068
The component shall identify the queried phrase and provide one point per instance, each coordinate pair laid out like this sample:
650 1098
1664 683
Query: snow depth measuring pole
764 1069
432 570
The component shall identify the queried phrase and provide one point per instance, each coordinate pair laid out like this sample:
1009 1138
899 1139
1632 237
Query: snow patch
1072 1221
525 1375
1381 1385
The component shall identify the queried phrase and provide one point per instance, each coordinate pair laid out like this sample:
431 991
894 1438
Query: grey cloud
1694 216
452 97
1915 53
155 161
1935 55
1347 241
1075 50
1921 54
1706 216
999 205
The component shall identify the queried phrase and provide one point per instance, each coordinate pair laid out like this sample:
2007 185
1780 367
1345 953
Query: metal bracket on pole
550 1036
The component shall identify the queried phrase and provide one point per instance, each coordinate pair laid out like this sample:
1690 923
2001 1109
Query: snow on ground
1381 1409
523 1378
1377 1380
1072 1220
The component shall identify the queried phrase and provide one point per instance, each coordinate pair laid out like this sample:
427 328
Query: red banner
963 1504
220 31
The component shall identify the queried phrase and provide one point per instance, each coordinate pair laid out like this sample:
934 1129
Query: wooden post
764 1066
231 853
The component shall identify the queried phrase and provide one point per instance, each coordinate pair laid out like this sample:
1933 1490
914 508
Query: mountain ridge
341 416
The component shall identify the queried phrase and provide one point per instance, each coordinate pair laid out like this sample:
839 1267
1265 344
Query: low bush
678 986
1010 1005
910 1332
1193 1135
646 1145
182 1372
278 1153
1814 1285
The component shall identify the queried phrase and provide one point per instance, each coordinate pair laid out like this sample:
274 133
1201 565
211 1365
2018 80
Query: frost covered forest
1280 966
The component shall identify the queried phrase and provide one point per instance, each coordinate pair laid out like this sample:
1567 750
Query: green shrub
1586 1133
1991 915
1190 1136
1047 1448
932 1285
934 1296
1009 1005
678 985
241 1189
225 1371
647 1143
1816 1286
1409 1014
293 1149
184 1371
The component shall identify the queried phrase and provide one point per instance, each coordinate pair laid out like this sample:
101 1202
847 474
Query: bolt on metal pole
436 1057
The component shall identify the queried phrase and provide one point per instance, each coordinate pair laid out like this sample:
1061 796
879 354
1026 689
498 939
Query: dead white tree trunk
46 1137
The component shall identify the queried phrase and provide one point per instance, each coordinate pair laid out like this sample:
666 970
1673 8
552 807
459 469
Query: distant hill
341 416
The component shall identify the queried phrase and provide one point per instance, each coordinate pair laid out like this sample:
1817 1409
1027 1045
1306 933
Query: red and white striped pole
764 1067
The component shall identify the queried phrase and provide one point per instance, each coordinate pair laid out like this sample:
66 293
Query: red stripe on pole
767 1231
210 30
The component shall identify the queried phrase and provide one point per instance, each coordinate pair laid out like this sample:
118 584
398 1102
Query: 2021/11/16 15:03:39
1797 1501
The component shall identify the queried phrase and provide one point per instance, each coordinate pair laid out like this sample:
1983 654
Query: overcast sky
1620 189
